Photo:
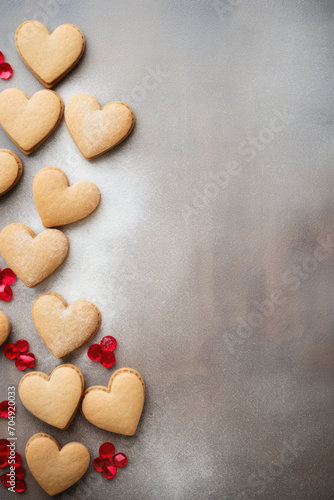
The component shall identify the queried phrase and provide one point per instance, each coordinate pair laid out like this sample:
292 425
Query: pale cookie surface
4 327
96 130
63 327
11 169
58 203
56 468
32 258
28 122
49 56
117 408
54 399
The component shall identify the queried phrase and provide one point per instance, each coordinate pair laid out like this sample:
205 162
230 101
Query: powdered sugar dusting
62 328
32 258
97 130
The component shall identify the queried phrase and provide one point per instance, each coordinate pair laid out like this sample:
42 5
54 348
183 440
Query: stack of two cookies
55 398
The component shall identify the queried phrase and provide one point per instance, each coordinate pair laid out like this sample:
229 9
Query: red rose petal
108 343
107 450
5 291
109 472
108 359
2 57
94 352
120 460
7 277
20 364
4 450
19 472
107 462
5 479
3 444
22 345
31 359
6 71
11 351
3 461
25 361
98 464
17 460
5 408
20 486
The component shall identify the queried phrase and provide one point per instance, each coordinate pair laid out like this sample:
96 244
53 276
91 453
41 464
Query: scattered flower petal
107 450
109 472
108 343
5 293
5 408
6 71
108 359
11 351
120 460
24 361
7 277
22 345
20 486
95 352
98 464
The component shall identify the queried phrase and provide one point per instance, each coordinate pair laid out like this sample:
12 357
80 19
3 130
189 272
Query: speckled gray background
211 255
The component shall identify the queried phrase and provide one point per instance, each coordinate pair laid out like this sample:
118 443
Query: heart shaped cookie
62 327
96 130
53 399
56 468
32 258
28 122
11 169
58 203
49 56
117 408
4 327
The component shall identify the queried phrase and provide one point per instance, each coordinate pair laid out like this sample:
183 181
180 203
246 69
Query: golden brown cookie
4 327
32 258
54 399
63 327
58 203
118 407
56 468
29 121
11 169
96 130
49 56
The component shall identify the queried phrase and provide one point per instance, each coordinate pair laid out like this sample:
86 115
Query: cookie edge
108 390
19 169
9 327
67 305
58 79
101 109
61 113
48 377
44 434
34 235
68 185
